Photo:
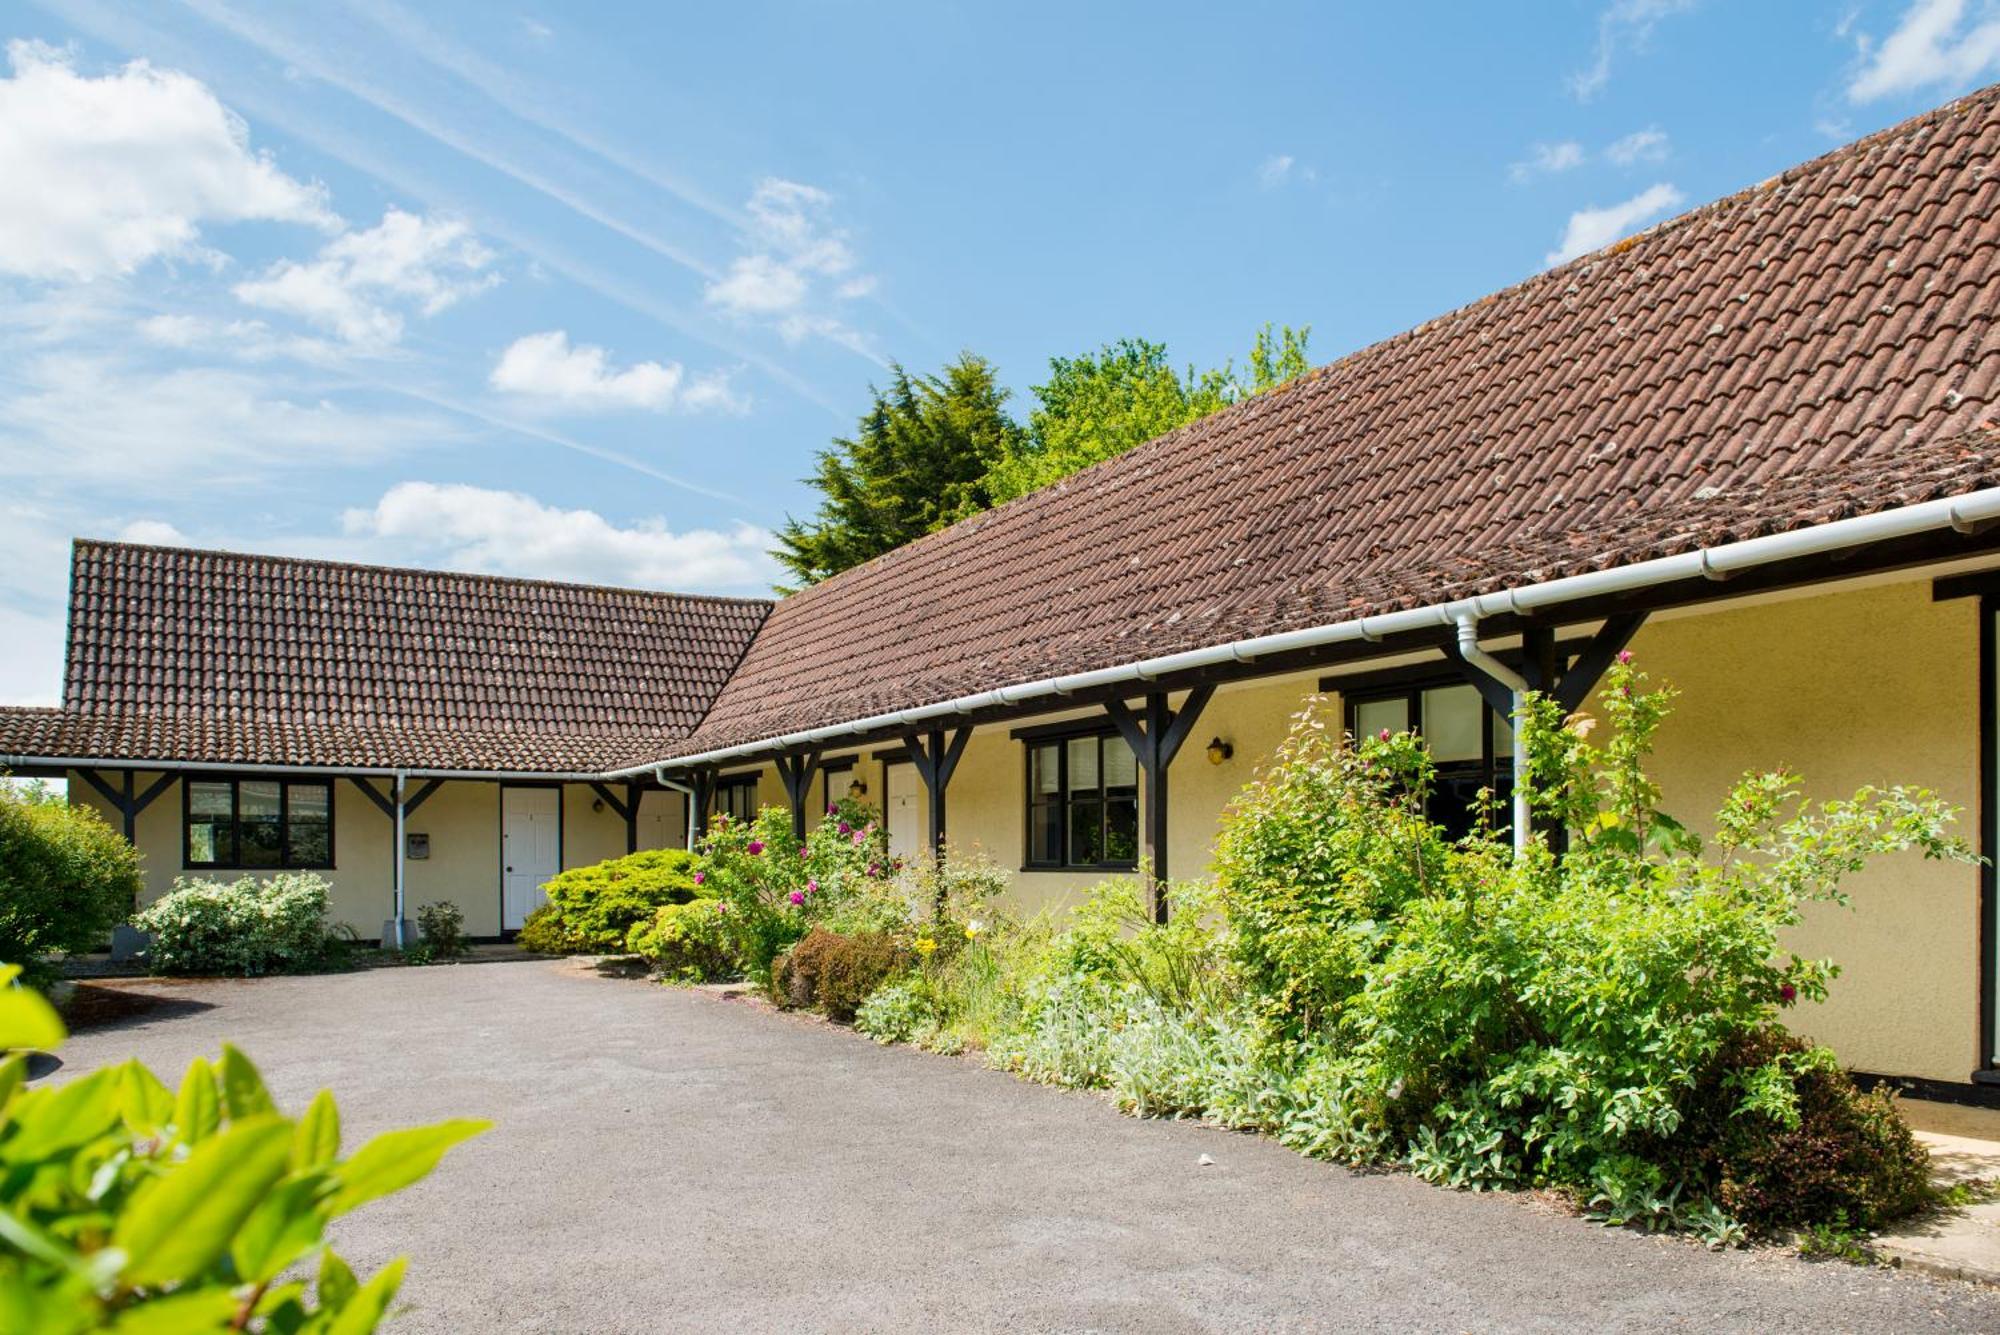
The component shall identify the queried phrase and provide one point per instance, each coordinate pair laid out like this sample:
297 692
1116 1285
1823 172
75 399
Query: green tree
1101 404
919 460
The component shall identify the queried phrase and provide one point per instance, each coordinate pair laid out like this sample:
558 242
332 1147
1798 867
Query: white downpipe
402 779
660 774
1468 648
1959 512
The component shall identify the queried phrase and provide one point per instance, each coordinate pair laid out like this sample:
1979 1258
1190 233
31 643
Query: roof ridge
324 563
1533 282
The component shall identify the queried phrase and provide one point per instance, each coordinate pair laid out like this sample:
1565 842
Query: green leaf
27 1020
197 1112
243 1091
184 1312
317 1141
395 1159
13 1075
337 1285
367 1308
285 1225
145 1103
179 1224
48 1121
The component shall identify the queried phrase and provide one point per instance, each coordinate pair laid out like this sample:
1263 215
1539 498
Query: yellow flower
1607 820
925 945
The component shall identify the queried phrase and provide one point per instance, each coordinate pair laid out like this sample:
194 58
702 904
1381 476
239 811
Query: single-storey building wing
1756 445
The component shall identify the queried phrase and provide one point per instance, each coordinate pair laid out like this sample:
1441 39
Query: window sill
1108 869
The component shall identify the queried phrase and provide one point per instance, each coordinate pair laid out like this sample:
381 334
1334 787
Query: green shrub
66 878
131 1206
593 909
443 939
542 932
834 974
687 943
897 1012
246 927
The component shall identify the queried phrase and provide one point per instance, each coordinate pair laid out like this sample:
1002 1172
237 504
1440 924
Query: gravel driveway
673 1160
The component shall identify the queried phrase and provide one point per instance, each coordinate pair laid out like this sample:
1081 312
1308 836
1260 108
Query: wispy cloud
1622 26
1932 45
1547 160
547 367
1647 145
1594 228
798 261
108 173
510 533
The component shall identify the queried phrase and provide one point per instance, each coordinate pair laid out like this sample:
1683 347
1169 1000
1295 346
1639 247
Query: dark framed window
258 824
1083 802
736 797
1470 743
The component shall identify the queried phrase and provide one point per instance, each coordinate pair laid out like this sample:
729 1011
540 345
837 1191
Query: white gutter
660 777
1961 513
402 779
1468 648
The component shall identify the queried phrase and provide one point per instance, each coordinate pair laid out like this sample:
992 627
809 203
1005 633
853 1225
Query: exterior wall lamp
1219 751
858 789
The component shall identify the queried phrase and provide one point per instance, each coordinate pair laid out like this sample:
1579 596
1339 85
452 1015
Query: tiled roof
215 656
1821 344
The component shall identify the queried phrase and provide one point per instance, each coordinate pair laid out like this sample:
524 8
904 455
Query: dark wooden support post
1589 667
626 809
1155 742
124 799
702 800
935 755
797 773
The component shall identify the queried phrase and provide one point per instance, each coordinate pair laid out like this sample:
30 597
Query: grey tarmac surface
671 1160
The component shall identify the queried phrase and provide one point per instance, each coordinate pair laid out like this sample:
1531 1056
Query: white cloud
759 285
1547 160
92 421
1931 45
156 532
1275 170
1593 229
506 532
1623 25
546 366
105 174
1647 145
349 288
794 252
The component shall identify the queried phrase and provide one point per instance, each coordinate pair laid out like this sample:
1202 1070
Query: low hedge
246 927
834 974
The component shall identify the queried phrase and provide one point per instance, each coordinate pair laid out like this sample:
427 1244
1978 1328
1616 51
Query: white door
662 819
903 804
530 850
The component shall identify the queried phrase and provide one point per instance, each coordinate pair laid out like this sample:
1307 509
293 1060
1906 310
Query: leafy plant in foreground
128 1206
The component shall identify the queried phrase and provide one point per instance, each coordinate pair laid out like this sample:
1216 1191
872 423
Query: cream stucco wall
1872 684
462 820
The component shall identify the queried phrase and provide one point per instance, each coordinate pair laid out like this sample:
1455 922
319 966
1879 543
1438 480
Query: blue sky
576 291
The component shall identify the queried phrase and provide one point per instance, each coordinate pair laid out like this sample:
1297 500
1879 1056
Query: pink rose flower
812 887
798 897
700 876
1624 655
755 847
845 828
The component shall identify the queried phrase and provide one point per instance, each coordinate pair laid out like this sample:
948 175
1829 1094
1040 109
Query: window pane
1086 833
210 829
1121 830
1047 762
260 840
1452 719
1374 717
1121 767
1045 833
1082 764
309 827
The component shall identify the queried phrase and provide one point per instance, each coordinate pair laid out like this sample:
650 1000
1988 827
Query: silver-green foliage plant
129 1206
244 927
